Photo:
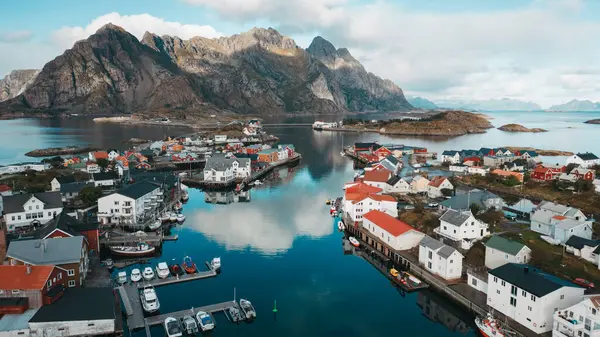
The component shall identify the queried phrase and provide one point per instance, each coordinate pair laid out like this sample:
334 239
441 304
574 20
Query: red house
382 152
26 286
583 174
420 150
542 173
64 226
363 147
369 157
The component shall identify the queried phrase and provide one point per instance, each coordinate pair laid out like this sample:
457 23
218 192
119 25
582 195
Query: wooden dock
172 280
133 306
210 309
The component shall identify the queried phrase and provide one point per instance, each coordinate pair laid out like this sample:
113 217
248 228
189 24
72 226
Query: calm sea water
283 245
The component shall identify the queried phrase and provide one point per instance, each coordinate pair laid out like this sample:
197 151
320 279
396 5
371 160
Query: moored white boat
180 218
155 225
247 309
353 241
141 249
173 327
149 299
136 275
185 197
148 274
173 216
189 325
206 322
162 270
122 277
165 217
178 206
215 264
341 225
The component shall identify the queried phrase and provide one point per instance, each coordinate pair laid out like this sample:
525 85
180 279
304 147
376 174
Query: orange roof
5 188
504 173
363 188
16 277
559 217
101 154
354 196
541 169
357 197
381 176
437 181
382 197
388 223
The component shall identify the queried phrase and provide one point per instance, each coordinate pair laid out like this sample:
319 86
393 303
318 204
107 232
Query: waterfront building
289 148
56 182
358 204
382 152
500 251
22 167
560 222
105 179
222 169
360 187
69 254
392 164
586 249
496 161
530 296
462 227
436 185
458 168
482 171
23 211
397 185
377 178
268 155
395 233
131 204
419 184
452 157
584 160
16 325
484 199
364 147
70 192
24 287
581 319
440 259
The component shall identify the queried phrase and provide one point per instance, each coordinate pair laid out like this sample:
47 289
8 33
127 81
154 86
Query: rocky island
59 151
541 152
519 128
593 121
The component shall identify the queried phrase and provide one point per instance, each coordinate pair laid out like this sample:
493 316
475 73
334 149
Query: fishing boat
178 206
176 269
235 314
172 327
394 272
332 209
491 327
155 225
165 217
185 197
148 274
215 264
141 249
149 299
188 265
334 214
136 275
206 322
189 325
162 270
328 202
247 309
122 277
258 183
341 225
180 218
109 263
173 216
353 241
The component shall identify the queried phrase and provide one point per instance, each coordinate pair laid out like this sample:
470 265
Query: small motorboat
173 216
109 263
148 274
247 309
180 218
165 217
155 225
136 275
334 214
178 206
173 327
235 314
188 265
341 225
185 197
176 270
122 277
332 209
149 299
258 183
394 272
215 264
162 270
328 202
206 322
353 241
141 249
189 325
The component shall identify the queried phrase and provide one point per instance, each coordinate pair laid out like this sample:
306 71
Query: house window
562 297
445 228
28 216
13 217
117 203
495 279
18 217
49 284
71 272
37 206
40 214
513 290
524 293
533 298
498 291
430 254
506 256
529 308
15 291
71 283
60 276
594 311
30 208
474 281
503 283
450 261
513 301
49 214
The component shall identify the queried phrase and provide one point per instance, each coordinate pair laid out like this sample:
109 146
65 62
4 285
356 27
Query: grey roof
65 179
569 223
14 203
530 279
79 304
455 217
542 216
464 201
571 212
578 242
587 156
523 205
446 251
104 176
388 165
139 189
392 159
57 251
555 208
430 242
219 163
393 180
74 187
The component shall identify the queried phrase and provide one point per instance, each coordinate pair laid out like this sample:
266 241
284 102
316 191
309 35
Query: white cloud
473 54
15 36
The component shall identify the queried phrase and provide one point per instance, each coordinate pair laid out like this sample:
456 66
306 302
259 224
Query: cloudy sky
546 51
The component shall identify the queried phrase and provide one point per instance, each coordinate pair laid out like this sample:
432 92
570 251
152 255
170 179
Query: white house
482 171
392 164
500 251
24 210
530 296
452 157
22 167
391 231
397 185
585 160
113 154
560 222
419 184
462 227
220 138
60 180
71 191
131 204
586 249
582 319
477 279
458 168
104 179
92 167
377 178
358 204
503 152
222 169
440 259
436 185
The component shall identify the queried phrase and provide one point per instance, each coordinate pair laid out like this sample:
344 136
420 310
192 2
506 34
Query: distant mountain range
421 103
503 104
577 105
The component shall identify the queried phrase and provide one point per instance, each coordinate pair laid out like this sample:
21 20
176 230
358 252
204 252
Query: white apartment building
581 319
24 210
222 169
440 259
130 204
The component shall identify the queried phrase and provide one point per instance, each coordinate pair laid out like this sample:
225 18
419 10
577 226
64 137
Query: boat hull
190 269
119 252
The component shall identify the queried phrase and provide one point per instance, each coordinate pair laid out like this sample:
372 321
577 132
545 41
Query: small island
541 152
59 151
519 128
593 121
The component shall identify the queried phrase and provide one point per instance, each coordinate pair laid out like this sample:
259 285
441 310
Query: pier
210 309
152 239
157 282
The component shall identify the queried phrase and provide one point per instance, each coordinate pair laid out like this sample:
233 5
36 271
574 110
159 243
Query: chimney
27 269
526 269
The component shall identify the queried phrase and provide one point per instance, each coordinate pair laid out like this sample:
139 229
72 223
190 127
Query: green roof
504 245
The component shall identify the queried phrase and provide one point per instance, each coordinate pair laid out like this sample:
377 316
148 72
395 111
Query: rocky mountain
421 103
256 72
16 82
577 105
503 104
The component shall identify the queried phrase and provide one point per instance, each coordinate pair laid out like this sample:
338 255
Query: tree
526 177
511 181
571 166
90 195
584 185
447 192
491 217
475 208
419 207
102 162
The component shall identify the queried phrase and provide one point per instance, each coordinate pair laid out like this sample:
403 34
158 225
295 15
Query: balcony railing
569 322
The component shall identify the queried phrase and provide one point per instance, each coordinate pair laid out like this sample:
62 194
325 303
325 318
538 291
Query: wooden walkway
211 309
133 306
173 280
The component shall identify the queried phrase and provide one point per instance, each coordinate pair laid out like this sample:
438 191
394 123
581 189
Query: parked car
510 217
433 204
584 283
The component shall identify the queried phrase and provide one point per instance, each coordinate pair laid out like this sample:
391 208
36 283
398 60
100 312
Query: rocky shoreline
519 128
593 121
59 151
541 152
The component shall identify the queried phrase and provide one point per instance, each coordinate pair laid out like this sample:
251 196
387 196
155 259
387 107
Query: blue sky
540 50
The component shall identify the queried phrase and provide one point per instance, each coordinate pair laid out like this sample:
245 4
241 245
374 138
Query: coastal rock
136 141
593 121
16 82
259 71
519 128
541 152
59 151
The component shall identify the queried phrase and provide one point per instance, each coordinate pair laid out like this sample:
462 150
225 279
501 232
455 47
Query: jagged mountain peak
110 27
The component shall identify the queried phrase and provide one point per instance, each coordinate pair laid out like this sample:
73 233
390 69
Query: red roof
357 197
472 159
388 223
381 176
541 169
101 154
382 197
559 217
5 188
16 277
437 181
363 188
